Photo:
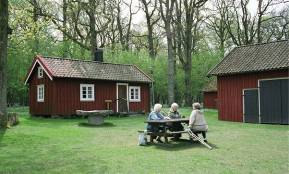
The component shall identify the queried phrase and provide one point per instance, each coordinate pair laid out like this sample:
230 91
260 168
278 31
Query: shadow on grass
106 124
181 144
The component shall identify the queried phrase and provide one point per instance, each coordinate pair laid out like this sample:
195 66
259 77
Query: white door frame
124 84
259 80
243 98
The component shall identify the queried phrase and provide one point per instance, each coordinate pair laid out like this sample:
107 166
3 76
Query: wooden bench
162 134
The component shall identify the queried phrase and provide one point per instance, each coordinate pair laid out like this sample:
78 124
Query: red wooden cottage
61 86
253 83
210 95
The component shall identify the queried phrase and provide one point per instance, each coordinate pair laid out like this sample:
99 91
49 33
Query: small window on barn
134 94
40 93
40 72
86 92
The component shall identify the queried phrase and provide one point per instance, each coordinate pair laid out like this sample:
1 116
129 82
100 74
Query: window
86 92
40 93
134 93
40 72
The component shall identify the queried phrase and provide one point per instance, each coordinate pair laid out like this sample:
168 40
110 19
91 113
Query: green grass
39 145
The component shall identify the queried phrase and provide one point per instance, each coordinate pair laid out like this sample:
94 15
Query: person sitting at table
174 114
197 121
156 115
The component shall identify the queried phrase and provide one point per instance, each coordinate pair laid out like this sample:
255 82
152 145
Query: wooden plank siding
41 108
144 105
230 88
62 96
210 99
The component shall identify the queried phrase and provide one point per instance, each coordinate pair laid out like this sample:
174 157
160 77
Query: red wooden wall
210 99
62 96
46 107
144 105
230 88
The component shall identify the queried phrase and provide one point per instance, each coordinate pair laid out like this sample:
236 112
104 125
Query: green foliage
202 63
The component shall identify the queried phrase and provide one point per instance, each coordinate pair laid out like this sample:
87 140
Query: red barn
61 86
253 83
210 95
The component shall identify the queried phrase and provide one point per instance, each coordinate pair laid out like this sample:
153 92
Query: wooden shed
61 86
253 83
210 95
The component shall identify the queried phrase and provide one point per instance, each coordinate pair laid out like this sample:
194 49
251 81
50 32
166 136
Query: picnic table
166 123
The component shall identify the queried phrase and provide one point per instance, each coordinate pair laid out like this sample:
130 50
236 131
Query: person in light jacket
197 121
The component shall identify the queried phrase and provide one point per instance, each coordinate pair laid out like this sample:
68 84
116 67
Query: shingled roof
83 69
253 58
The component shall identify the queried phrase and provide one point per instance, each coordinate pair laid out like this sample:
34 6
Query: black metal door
284 102
251 106
270 101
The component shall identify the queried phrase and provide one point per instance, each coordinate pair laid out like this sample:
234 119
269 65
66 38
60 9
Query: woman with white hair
156 115
173 114
197 122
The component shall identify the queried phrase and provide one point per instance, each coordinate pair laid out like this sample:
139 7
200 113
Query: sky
139 18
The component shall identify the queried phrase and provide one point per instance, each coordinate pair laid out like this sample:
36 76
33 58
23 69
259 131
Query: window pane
84 96
89 92
89 96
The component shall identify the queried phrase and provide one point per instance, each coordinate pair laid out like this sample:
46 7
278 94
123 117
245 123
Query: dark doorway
274 101
122 98
251 106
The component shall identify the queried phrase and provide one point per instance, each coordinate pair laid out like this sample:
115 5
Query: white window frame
92 92
39 99
40 72
134 89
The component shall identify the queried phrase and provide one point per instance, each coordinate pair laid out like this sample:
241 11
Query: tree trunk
93 45
171 65
3 61
65 40
35 29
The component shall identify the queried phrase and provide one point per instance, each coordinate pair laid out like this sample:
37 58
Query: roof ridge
80 60
263 43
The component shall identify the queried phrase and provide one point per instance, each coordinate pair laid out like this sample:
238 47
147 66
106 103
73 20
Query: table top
181 120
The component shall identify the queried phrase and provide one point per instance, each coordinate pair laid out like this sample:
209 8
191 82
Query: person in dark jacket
174 114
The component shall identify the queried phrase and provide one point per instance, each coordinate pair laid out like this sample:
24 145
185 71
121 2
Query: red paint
62 96
210 99
230 88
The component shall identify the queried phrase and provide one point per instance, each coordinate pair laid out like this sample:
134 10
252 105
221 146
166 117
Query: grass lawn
39 145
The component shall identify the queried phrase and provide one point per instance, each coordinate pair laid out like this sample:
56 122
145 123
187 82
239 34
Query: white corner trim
37 61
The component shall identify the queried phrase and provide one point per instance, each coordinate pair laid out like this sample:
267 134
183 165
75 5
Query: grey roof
253 58
72 68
